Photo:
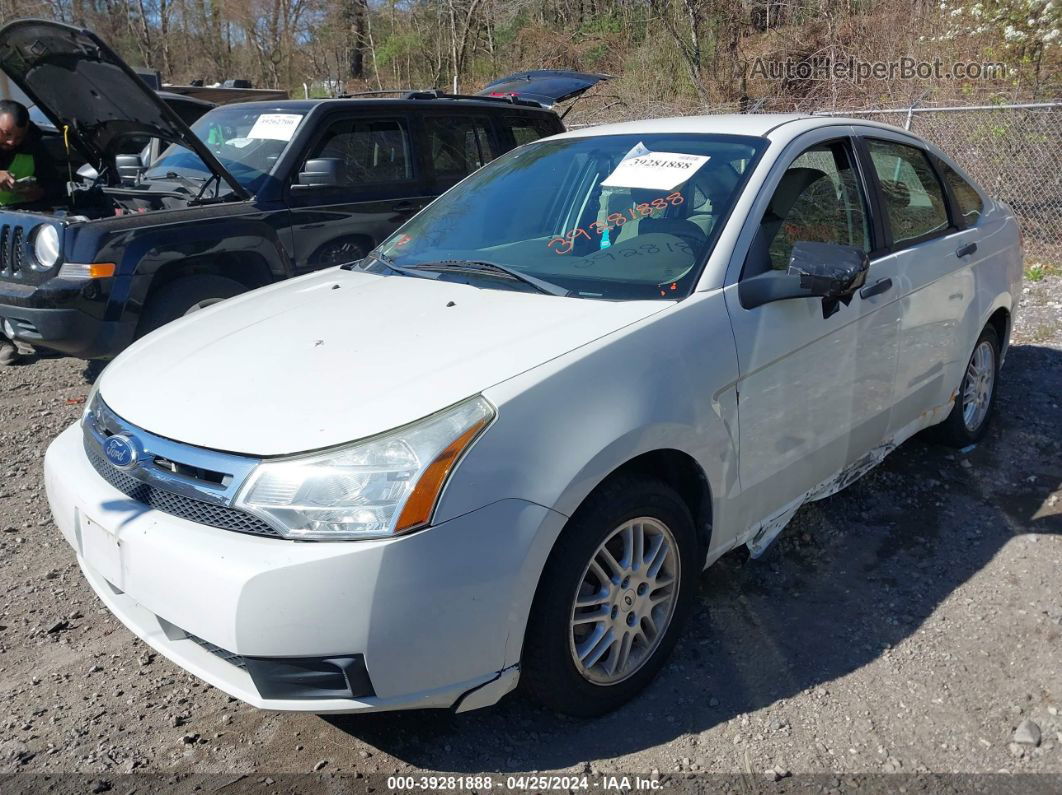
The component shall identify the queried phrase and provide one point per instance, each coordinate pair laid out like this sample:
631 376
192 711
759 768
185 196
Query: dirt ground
909 624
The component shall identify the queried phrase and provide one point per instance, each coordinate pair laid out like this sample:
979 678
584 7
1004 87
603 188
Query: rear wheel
612 599
185 296
969 418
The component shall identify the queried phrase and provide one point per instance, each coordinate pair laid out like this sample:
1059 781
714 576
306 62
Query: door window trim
890 245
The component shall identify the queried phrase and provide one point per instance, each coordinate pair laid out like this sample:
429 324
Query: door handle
402 207
877 288
962 251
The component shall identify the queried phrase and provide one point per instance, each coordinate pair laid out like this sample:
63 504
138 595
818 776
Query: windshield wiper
488 268
173 176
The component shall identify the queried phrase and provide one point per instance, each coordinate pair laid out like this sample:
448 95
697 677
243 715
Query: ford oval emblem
122 451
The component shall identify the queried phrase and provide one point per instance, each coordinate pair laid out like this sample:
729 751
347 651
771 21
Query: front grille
16 250
228 656
177 504
5 247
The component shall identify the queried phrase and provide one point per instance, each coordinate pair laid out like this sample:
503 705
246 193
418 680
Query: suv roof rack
435 93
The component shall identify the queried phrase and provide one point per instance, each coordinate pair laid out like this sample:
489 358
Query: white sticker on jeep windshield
275 126
641 168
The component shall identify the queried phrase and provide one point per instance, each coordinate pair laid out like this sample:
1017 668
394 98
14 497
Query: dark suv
250 194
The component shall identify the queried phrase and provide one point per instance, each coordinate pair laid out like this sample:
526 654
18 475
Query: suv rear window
458 145
526 129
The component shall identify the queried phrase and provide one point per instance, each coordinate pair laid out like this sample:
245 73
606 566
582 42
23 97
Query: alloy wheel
625 601
978 385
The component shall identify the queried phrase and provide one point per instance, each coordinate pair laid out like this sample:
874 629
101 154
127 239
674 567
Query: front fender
664 383
142 251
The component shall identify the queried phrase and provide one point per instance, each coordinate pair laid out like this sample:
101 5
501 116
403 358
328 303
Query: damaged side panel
763 533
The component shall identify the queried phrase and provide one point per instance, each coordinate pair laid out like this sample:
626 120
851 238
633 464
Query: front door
814 392
373 186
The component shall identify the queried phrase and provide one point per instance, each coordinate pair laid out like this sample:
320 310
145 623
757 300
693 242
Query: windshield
615 217
246 141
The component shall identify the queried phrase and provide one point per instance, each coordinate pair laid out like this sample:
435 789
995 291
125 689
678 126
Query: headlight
372 489
46 246
91 400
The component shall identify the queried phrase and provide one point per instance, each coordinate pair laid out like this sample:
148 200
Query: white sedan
501 448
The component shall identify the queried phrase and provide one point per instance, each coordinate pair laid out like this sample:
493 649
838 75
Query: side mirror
816 270
323 172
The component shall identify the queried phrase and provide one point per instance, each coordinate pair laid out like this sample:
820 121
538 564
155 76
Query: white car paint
775 405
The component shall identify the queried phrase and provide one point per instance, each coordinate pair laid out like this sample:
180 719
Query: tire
184 296
964 426
608 520
9 354
340 252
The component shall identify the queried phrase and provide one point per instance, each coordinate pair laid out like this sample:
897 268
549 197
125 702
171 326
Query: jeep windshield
246 141
615 217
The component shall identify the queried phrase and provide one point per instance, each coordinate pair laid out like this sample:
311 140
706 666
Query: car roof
306 105
775 126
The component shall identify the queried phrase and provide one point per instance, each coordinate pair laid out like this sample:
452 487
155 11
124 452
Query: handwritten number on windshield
563 244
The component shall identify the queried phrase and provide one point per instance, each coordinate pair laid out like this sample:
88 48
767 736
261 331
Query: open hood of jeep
545 86
81 84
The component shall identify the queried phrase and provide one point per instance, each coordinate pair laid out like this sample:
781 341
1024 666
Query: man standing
27 174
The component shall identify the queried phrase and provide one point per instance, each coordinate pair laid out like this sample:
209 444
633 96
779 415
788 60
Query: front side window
614 217
912 194
458 145
246 141
819 199
369 151
968 199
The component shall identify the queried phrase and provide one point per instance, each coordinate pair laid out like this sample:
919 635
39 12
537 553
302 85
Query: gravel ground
911 624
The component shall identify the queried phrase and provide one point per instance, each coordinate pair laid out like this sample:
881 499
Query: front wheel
612 599
968 421
185 296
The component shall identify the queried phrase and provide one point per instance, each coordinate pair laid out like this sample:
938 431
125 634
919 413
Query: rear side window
526 129
458 145
968 199
371 151
912 194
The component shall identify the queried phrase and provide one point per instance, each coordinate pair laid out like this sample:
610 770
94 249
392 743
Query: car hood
81 84
338 356
545 86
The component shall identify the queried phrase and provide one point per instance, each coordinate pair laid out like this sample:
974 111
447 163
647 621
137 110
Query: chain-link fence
1013 151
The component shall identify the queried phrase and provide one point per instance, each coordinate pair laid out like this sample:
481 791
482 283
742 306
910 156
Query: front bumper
60 316
436 614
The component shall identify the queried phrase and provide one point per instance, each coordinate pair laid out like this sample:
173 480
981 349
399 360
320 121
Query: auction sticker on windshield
275 126
641 168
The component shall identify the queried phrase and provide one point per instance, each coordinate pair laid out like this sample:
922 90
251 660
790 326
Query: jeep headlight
46 246
375 488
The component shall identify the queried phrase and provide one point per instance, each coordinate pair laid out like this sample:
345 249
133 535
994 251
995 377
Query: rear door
380 186
934 276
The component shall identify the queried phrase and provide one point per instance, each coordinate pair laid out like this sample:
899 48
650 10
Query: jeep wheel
184 296
8 352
